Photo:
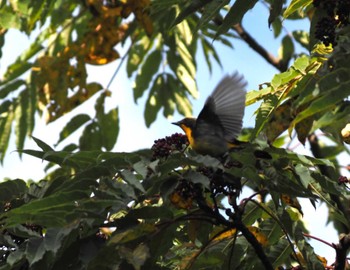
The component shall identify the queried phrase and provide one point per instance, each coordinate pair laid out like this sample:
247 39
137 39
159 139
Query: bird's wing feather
226 106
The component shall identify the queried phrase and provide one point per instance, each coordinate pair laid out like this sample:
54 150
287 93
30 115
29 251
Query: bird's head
186 123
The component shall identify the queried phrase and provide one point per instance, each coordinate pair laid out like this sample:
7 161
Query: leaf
12 189
302 37
91 138
74 123
210 10
10 87
296 5
121 237
190 9
21 118
148 69
136 55
135 257
131 179
196 177
286 50
280 252
9 19
275 10
5 131
326 102
56 210
109 128
45 147
263 115
154 101
235 15
252 212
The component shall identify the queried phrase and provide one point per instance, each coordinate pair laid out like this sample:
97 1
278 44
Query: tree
167 207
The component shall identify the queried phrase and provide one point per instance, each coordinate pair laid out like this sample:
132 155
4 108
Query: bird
217 126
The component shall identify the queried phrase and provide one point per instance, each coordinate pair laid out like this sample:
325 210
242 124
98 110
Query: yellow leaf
292 202
259 235
227 234
345 133
179 201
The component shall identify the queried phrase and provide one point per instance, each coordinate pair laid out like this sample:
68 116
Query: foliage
167 207
157 211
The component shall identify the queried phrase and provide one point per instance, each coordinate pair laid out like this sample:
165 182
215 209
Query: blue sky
133 137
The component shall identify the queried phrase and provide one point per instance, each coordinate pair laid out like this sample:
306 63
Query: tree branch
341 250
237 218
277 63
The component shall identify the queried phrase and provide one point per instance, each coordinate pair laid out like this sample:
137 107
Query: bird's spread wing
224 108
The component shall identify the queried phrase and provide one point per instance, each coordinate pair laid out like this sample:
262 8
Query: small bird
215 130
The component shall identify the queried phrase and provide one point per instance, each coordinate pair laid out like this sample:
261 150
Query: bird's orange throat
188 132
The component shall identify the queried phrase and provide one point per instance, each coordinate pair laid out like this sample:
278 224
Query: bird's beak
176 123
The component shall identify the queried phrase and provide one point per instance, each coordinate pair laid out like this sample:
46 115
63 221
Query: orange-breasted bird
215 129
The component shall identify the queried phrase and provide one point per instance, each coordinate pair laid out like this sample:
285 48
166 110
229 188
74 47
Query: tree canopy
167 207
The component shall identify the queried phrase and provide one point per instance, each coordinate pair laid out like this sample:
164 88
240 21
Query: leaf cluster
143 211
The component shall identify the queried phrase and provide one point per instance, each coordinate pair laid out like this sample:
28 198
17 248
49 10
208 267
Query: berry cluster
165 146
184 194
337 17
222 182
343 180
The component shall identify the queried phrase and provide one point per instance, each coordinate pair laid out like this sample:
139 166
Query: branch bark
246 37
341 250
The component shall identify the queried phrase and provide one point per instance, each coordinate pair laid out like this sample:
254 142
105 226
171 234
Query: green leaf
210 10
131 179
91 138
12 189
137 54
9 19
45 147
277 27
109 124
275 10
296 5
75 123
5 131
326 102
121 237
235 14
263 115
147 71
302 37
252 212
191 8
10 87
150 212
301 63
286 50
52 211
304 175
155 100
280 252
15 70
196 177
21 118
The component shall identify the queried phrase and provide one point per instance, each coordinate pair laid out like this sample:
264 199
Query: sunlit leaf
21 118
295 5
5 131
148 69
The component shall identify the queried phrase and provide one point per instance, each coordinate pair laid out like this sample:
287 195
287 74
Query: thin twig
119 66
